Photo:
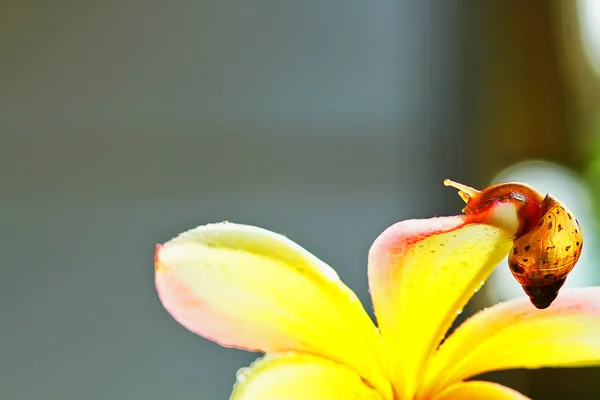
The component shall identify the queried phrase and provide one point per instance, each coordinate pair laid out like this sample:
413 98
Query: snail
547 244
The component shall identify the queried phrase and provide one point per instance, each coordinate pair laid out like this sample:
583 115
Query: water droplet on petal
242 374
459 312
480 286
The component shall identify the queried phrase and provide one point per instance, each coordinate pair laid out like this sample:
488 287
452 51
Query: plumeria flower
246 287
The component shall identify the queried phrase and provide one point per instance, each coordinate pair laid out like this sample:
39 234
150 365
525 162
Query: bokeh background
123 123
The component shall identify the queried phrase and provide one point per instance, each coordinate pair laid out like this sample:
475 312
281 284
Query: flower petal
250 288
514 334
477 390
300 377
423 272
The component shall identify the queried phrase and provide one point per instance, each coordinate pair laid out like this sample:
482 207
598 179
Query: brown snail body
547 244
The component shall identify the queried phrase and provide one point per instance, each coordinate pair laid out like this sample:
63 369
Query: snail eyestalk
465 192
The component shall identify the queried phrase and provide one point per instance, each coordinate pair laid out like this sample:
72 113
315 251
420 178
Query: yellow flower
249 288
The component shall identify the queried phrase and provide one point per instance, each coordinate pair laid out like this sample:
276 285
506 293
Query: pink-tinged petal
515 334
300 377
423 272
478 390
250 288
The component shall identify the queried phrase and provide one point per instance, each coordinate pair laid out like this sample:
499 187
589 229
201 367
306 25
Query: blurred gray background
124 123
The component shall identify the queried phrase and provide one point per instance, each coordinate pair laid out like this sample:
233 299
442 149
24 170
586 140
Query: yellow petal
250 288
478 390
422 273
515 334
300 377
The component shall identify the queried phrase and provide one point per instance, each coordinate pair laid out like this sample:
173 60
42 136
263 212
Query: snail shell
541 259
548 243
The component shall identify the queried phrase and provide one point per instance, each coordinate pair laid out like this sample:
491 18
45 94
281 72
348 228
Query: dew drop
480 286
242 374
459 312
